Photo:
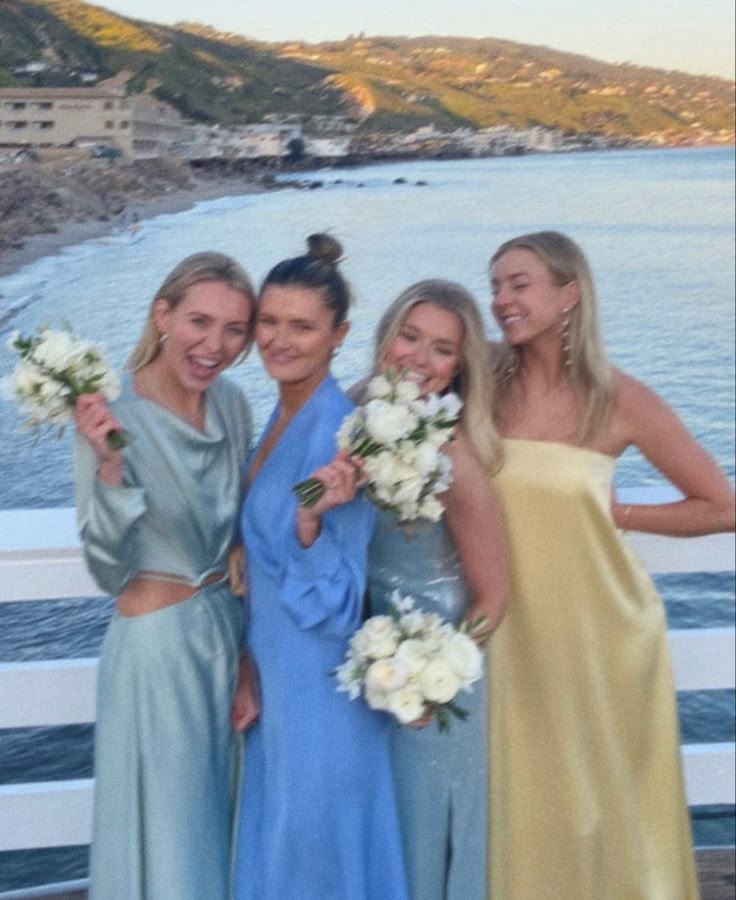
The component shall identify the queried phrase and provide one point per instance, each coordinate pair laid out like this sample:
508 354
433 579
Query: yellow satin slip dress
586 790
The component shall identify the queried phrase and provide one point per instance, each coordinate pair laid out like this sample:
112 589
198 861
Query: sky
695 36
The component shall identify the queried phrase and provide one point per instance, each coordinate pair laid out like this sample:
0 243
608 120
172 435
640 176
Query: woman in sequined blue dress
455 567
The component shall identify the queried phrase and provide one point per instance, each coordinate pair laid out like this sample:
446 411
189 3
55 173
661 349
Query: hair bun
324 248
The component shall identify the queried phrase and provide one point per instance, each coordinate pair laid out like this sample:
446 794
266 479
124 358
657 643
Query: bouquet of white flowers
54 369
411 664
400 437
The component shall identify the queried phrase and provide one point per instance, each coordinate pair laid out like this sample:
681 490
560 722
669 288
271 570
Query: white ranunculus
438 682
407 704
386 675
377 639
387 423
464 658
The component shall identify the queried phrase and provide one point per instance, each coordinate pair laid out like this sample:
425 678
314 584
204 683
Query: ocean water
657 226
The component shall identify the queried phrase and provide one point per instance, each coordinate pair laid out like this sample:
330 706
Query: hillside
380 83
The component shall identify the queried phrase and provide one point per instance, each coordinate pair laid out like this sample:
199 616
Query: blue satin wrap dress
318 816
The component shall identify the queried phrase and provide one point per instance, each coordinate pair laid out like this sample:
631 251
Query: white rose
407 512
377 639
411 656
407 704
406 391
379 388
383 469
438 682
444 473
450 404
464 658
387 423
412 622
426 458
348 678
408 489
58 349
375 699
401 604
346 429
385 676
110 386
431 508
26 379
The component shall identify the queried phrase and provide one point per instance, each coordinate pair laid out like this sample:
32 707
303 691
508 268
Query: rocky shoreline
47 205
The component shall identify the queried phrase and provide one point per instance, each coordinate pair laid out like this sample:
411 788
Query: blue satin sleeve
324 584
107 517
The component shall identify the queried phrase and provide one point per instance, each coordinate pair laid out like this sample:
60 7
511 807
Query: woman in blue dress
456 568
157 522
318 812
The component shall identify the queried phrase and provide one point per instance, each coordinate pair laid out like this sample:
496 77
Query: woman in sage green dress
158 520
587 798
454 567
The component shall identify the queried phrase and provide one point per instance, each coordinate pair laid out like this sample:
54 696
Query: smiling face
429 345
296 335
205 332
527 304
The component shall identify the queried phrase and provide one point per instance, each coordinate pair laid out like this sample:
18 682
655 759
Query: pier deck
716 871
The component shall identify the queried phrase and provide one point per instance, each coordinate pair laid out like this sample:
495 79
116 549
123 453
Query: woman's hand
95 421
246 701
236 571
421 722
342 478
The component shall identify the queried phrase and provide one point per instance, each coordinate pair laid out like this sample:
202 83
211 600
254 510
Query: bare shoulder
467 470
632 399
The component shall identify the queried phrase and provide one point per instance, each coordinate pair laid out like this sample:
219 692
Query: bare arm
647 422
474 520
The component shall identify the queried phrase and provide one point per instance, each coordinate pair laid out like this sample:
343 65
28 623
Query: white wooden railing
40 559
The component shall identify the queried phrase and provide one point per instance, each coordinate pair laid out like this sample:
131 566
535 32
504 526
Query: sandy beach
75 225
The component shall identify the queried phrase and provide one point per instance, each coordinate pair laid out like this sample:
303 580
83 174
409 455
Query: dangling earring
162 338
566 355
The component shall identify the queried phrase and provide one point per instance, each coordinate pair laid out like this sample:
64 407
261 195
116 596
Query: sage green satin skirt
166 758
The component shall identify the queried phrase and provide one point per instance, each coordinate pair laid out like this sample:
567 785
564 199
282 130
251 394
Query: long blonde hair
205 266
587 366
472 383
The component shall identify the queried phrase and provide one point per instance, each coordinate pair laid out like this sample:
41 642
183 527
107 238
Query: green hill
382 83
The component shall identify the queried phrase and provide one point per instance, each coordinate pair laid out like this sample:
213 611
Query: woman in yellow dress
586 799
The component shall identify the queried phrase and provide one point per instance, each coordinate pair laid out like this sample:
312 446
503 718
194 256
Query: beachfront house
101 117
